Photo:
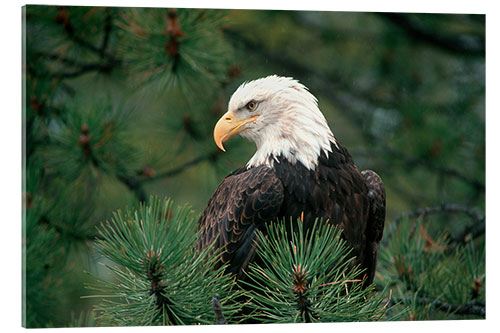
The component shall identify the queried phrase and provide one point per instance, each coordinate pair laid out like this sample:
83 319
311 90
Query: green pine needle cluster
158 277
308 276
90 138
173 47
428 274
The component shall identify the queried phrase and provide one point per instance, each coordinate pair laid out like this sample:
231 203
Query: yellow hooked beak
226 128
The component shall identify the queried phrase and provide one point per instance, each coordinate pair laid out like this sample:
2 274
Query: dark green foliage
307 277
40 238
46 274
429 275
159 278
86 151
172 48
88 139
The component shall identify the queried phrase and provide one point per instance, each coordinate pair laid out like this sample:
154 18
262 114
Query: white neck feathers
294 128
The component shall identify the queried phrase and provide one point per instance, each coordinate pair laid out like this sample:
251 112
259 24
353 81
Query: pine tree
85 146
121 102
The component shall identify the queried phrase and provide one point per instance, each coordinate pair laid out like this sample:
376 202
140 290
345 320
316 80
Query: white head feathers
289 123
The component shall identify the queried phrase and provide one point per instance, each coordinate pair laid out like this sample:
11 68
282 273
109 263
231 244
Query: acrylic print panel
119 164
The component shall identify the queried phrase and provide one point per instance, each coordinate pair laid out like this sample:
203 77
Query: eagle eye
252 105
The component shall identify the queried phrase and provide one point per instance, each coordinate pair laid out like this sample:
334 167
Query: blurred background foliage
120 103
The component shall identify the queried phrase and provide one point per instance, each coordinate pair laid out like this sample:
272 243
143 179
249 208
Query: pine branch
331 84
62 229
474 307
78 67
444 208
308 276
74 234
460 45
108 25
88 68
217 307
61 59
63 19
184 47
159 279
300 286
189 164
474 230
134 185
415 161
423 272
88 150
108 61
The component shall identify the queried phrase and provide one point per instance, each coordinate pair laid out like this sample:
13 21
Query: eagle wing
243 202
375 222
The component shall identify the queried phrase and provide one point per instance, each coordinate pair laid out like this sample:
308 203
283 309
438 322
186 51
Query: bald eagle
300 170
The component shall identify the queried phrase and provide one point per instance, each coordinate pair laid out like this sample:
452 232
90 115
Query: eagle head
281 116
